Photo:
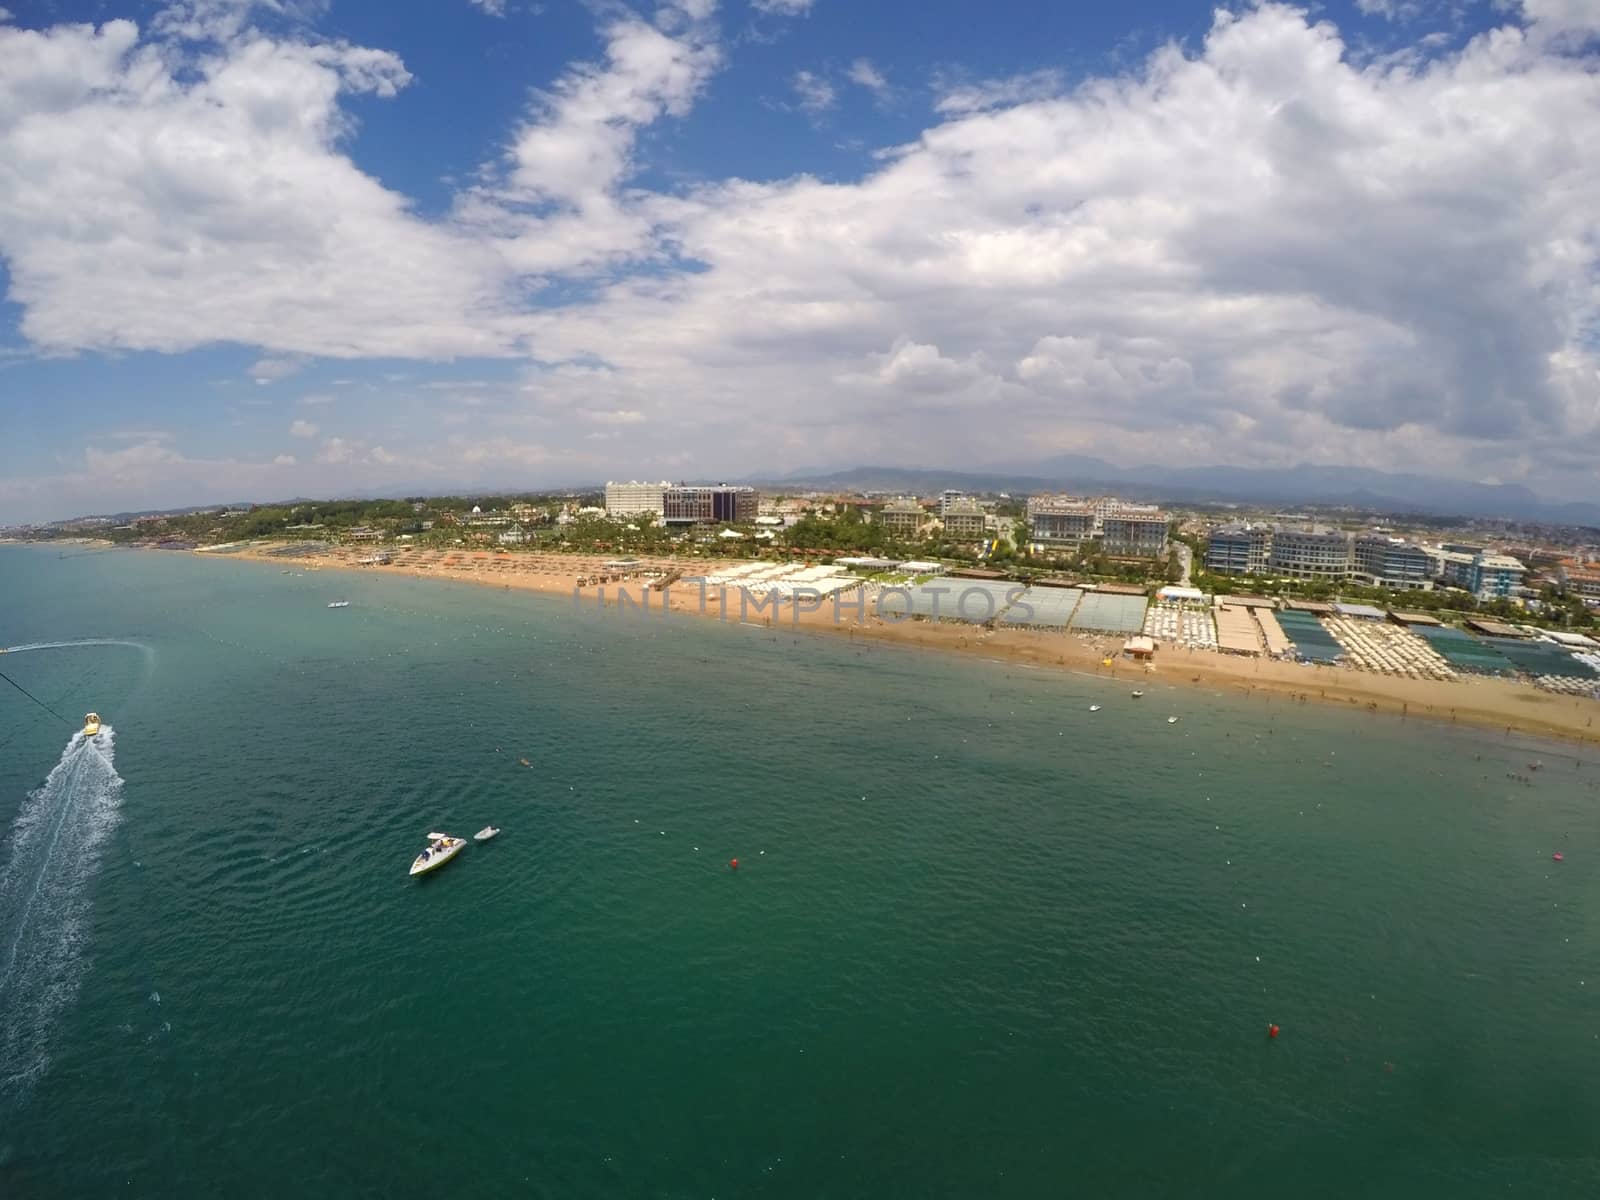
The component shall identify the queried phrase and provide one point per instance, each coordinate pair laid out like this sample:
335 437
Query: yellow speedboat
91 724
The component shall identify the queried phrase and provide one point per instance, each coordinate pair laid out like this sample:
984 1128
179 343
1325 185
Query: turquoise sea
981 942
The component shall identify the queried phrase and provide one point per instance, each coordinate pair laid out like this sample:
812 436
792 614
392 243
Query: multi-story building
1453 568
902 517
1310 553
690 504
948 497
964 520
1580 579
1390 562
1239 549
632 498
1061 520
1495 576
1135 534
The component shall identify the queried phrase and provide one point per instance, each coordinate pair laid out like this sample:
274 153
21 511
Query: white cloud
1563 19
284 460
1392 10
158 196
616 416
996 93
316 399
270 370
554 206
140 435
1260 251
6 14
864 74
783 8
493 8
1261 248
816 93
303 429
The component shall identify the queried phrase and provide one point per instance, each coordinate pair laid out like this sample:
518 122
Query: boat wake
47 868
24 648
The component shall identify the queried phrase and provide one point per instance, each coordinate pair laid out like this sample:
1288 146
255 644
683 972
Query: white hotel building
632 498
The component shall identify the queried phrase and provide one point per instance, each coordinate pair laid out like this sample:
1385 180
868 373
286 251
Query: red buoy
733 863
1272 1031
1556 856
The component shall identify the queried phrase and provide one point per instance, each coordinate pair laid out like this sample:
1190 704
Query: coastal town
1101 579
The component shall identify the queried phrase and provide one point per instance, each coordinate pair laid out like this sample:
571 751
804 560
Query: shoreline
1501 706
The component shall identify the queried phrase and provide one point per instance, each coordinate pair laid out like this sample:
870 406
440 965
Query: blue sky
254 250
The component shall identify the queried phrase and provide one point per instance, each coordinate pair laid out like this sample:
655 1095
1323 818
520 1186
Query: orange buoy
1272 1031
733 863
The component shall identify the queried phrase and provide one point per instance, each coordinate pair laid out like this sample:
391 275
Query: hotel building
1239 549
902 517
1311 553
1134 533
1061 520
688 504
964 520
632 498
1391 562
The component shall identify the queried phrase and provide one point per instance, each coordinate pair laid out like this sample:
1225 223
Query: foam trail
74 642
47 869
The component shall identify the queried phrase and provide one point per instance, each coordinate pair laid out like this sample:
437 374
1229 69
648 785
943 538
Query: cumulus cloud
815 93
160 197
303 429
1260 247
493 8
316 399
284 460
783 8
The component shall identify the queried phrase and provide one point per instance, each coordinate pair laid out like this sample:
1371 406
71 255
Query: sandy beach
1503 706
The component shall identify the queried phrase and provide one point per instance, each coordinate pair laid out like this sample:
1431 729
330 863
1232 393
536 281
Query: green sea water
981 942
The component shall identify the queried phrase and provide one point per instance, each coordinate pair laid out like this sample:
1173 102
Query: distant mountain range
1350 487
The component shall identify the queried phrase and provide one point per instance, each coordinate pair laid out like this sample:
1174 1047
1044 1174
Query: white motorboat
1138 695
484 834
91 725
1094 708
1172 720
441 849
338 604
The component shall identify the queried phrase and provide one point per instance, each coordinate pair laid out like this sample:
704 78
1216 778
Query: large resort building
1391 562
902 517
1370 558
1129 534
1239 549
1061 521
1126 530
964 520
633 498
686 504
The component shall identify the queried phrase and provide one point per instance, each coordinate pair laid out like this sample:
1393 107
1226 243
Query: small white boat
1172 720
440 851
91 725
1094 708
1138 695
484 834
338 604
